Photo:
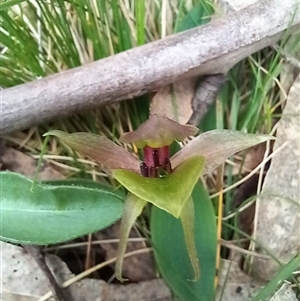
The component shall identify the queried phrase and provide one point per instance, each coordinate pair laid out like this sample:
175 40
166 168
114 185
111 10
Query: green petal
168 193
216 146
99 148
132 209
158 131
187 221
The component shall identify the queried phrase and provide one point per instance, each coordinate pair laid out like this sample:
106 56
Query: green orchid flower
166 182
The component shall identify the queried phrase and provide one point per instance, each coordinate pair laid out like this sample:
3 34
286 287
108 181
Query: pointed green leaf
132 209
35 213
171 252
168 193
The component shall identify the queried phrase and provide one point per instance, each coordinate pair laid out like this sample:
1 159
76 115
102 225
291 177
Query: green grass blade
284 273
6 4
140 21
123 30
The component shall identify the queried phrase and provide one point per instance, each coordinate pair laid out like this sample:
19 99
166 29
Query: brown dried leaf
174 101
249 159
16 161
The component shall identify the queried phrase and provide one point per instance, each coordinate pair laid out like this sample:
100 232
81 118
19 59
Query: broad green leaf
35 213
167 193
171 252
132 209
85 183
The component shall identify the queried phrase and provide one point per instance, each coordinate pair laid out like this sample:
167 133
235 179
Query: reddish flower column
156 162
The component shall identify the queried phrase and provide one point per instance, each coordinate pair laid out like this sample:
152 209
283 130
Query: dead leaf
246 161
246 217
16 161
247 190
174 101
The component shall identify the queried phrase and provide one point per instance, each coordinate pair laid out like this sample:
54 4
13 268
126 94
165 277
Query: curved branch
212 48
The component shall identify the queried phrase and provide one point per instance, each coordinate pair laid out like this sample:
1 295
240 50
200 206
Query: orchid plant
164 181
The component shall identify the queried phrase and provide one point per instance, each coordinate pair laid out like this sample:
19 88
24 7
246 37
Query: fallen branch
213 48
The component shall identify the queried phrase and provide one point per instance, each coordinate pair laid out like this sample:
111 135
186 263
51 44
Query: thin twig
229 245
95 242
257 168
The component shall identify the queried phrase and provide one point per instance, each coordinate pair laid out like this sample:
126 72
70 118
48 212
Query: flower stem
133 208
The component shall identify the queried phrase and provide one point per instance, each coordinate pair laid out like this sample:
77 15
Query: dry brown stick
212 48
